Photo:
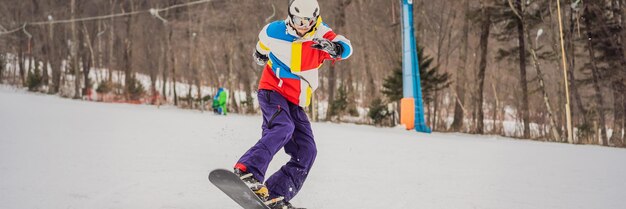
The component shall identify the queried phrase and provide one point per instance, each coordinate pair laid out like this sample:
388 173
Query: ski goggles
303 22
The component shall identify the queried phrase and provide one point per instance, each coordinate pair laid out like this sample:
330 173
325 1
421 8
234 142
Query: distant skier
292 51
219 102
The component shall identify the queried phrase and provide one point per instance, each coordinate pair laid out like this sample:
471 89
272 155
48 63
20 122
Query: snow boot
255 185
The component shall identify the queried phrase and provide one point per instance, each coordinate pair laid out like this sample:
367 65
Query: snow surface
66 154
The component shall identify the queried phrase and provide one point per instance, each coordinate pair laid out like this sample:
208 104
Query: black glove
334 49
259 58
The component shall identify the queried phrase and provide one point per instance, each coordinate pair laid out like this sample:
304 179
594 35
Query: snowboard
236 189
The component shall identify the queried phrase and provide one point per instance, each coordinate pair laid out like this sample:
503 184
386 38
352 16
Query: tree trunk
496 110
128 54
2 64
174 79
598 92
484 43
189 97
100 33
459 115
542 86
56 65
191 64
247 84
88 59
21 62
230 86
165 67
153 70
622 37
618 114
74 53
570 53
153 80
111 42
36 57
45 76
55 62
45 79
620 135
523 82
332 77
168 59
87 64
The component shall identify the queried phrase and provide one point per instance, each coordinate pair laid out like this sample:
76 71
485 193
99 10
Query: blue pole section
410 66
407 58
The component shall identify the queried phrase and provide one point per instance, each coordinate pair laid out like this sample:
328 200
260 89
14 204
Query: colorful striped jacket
292 69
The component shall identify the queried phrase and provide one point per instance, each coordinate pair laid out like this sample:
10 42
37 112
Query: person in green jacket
219 102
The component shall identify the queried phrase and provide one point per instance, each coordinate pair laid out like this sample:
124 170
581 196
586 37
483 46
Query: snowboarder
219 102
292 51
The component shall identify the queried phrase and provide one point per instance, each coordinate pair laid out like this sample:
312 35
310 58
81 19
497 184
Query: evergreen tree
339 105
34 79
136 90
432 80
392 86
378 111
105 87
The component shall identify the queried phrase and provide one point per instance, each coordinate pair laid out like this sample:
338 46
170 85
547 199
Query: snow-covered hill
65 154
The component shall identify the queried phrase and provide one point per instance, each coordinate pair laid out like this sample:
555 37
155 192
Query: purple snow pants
284 125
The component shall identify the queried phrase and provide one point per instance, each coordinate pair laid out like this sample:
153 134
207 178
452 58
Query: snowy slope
65 154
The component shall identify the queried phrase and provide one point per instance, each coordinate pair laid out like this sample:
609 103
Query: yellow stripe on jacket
296 57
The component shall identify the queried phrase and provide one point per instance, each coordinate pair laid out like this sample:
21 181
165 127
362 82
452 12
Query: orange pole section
407 112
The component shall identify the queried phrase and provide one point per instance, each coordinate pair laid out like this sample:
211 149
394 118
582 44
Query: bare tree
484 44
542 86
111 43
459 114
74 52
129 80
332 74
595 72
525 111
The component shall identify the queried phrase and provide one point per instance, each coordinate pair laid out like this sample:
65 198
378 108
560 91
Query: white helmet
303 13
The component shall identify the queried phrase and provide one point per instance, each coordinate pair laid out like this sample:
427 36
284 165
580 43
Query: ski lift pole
568 111
411 105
